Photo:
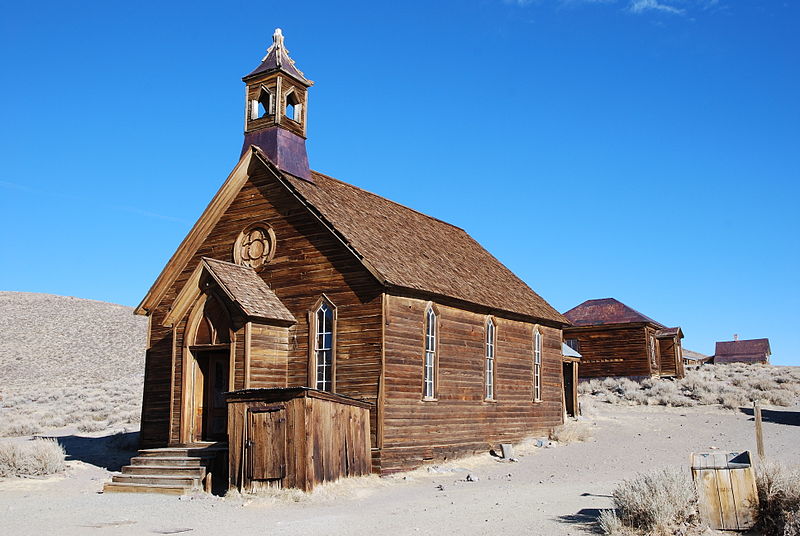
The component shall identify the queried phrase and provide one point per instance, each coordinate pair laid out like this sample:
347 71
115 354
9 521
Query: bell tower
276 110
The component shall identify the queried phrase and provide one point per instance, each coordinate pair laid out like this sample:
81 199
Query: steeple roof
277 59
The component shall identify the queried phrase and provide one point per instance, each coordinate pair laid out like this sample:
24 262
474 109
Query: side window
537 365
323 345
490 349
429 380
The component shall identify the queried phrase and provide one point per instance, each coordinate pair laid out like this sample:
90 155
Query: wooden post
759 430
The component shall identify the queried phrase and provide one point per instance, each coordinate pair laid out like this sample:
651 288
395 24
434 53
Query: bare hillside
68 361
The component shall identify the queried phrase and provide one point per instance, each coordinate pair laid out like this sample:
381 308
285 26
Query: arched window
537 365
490 344
324 346
294 109
214 327
429 381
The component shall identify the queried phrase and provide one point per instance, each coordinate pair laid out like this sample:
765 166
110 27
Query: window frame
537 364
490 361
427 327
313 349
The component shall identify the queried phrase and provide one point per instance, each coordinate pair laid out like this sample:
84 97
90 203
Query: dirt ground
549 491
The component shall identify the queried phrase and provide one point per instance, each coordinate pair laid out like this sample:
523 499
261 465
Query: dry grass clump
730 386
779 499
68 362
358 487
32 458
571 432
90 407
659 503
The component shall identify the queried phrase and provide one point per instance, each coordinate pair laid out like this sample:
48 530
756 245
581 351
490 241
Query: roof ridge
390 201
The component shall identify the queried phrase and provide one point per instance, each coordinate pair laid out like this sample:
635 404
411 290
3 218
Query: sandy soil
556 490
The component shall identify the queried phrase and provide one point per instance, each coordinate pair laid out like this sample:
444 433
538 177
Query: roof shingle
415 251
606 311
248 290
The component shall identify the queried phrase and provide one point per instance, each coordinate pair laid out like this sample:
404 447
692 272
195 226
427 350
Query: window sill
490 400
429 399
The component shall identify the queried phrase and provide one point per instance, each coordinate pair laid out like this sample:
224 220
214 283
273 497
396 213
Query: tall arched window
429 388
537 365
490 344
324 346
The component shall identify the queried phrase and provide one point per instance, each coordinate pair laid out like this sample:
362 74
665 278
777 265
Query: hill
68 361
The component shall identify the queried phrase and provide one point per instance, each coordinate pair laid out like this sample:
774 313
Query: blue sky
647 150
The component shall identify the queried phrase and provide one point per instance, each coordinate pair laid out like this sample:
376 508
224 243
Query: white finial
277 37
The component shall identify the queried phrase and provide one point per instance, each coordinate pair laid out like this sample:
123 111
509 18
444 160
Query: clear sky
647 150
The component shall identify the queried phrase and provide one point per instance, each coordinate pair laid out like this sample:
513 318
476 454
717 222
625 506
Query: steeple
275 113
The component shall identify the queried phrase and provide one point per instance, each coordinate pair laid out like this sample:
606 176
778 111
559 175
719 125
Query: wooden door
570 389
266 445
210 410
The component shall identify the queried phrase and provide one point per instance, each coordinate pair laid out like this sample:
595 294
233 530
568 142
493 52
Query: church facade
291 279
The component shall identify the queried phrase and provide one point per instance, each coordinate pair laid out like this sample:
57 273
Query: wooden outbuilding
295 437
742 351
571 360
293 279
616 340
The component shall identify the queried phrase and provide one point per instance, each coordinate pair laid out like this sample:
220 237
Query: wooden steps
173 470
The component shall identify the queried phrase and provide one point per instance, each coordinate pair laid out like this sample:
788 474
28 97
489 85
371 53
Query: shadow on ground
110 452
792 418
585 519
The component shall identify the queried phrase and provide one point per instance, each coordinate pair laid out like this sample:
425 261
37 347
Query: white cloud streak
642 6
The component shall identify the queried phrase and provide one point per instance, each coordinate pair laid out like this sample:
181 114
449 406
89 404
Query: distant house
744 351
693 359
617 340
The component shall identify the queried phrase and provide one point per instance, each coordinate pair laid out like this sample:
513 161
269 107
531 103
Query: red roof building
744 351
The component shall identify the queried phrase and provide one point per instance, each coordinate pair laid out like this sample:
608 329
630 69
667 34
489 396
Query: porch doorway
211 382
571 388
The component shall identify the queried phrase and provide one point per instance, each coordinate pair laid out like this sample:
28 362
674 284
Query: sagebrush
731 386
31 458
660 503
779 499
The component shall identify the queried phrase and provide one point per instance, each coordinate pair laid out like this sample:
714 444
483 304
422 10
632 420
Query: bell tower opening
276 118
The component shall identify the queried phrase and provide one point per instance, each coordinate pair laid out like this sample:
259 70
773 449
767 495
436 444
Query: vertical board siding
308 262
460 421
269 356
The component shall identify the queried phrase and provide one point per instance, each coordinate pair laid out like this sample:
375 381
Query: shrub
778 499
32 458
19 427
659 503
571 432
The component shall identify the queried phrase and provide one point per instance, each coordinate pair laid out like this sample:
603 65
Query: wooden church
332 325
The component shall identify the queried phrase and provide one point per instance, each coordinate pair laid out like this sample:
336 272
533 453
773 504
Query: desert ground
87 398
550 490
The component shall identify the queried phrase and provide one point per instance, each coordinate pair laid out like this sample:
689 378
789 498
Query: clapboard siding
460 420
309 261
269 356
612 350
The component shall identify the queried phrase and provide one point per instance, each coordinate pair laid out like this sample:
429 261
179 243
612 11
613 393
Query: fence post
759 430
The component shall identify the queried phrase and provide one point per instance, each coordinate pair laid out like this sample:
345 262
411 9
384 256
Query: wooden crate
726 487
295 437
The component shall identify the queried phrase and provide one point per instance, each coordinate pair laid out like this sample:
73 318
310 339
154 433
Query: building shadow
110 452
585 519
791 418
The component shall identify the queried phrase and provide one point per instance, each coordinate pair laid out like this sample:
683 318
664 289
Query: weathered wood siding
269 356
324 438
611 350
157 376
671 362
308 262
460 421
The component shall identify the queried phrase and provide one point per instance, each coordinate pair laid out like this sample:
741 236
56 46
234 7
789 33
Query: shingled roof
747 348
607 311
245 288
669 332
411 250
